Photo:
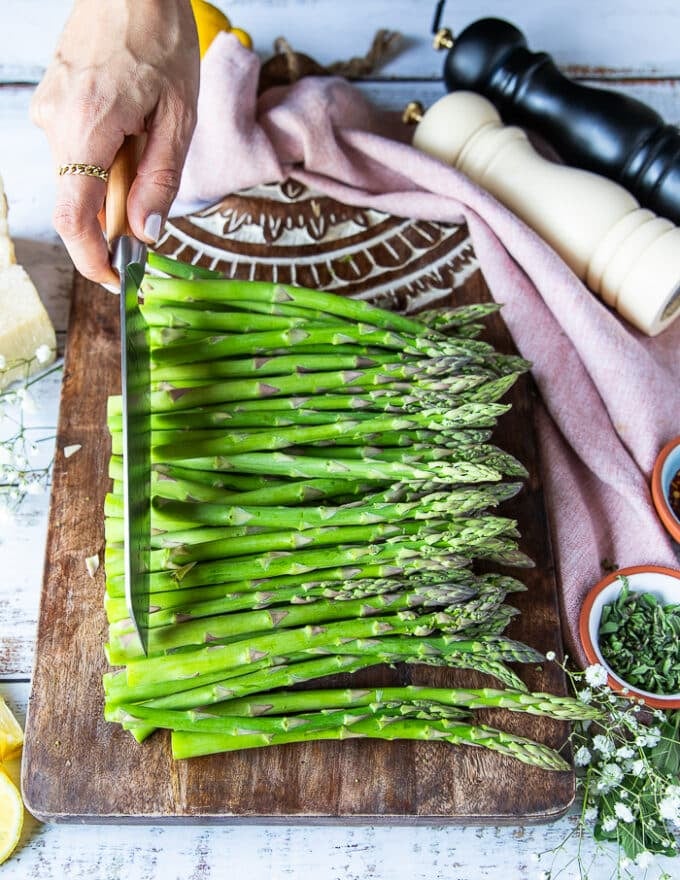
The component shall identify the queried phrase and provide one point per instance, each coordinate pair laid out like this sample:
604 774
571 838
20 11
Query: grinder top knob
597 129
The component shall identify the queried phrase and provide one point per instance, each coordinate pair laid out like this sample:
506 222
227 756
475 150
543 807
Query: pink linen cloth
611 396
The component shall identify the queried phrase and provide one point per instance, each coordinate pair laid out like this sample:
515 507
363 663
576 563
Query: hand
121 67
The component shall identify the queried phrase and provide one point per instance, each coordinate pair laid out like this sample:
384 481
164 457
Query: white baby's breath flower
582 757
644 859
623 812
43 353
667 809
550 655
585 695
653 737
609 824
604 745
625 752
596 675
648 739
610 776
28 404
669 805
590 815
637 768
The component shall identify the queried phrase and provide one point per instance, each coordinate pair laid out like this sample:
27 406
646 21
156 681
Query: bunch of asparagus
323 484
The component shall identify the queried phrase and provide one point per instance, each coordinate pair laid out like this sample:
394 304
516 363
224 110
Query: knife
128 257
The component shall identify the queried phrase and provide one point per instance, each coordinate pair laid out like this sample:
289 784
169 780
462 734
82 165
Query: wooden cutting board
79 768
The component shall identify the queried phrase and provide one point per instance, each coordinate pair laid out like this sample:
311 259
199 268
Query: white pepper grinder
624 253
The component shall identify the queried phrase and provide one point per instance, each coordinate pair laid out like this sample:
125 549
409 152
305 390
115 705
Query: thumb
158 175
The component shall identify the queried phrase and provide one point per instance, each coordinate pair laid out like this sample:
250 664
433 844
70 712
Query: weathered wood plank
157 852
583 36
22 530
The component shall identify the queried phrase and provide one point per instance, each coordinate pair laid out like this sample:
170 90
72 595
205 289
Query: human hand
121 68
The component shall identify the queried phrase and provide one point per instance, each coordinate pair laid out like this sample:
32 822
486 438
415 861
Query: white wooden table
629 46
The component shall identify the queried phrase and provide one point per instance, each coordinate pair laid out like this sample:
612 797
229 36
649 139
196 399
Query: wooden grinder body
624 253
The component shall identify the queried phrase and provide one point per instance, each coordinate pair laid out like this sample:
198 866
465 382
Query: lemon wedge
11 816
209 22
11 734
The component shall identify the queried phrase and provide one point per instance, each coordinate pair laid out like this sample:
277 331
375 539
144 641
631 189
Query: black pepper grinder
602 131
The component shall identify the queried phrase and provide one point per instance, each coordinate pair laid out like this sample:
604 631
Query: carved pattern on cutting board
288 233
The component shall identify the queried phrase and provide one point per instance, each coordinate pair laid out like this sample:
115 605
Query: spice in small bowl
630 624
666 487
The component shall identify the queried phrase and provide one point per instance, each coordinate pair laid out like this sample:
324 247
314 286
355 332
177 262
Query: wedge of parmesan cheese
27 339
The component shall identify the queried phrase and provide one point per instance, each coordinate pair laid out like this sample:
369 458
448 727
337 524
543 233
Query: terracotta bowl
664 583
666 466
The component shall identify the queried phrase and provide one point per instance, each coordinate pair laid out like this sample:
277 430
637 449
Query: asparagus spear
191 744
324 563
214 658
291 703
256 291
455 533
279 365
178 268
298 466
123 645
300 518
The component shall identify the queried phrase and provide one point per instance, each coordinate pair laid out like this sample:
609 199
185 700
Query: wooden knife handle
121 175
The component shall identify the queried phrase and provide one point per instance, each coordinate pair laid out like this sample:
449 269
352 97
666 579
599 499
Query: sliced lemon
209 22
11 816
11 734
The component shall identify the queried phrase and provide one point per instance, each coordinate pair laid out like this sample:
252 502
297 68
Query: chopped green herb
639 640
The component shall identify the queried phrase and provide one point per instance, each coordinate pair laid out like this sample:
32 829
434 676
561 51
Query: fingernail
152 226
111 288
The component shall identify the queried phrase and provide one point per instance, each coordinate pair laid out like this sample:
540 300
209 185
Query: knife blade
128 257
